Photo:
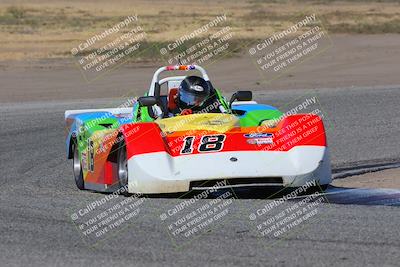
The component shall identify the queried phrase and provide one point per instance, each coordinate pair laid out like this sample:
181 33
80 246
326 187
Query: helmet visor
192 100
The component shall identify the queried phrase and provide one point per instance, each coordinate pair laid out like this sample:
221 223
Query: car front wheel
77 167
122 167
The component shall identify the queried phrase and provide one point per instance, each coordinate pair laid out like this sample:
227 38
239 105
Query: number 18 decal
208 143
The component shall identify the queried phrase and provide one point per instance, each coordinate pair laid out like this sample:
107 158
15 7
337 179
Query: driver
194 96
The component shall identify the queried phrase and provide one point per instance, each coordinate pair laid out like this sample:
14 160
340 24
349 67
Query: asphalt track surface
352 228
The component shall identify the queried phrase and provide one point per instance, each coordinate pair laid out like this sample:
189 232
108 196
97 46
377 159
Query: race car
145 148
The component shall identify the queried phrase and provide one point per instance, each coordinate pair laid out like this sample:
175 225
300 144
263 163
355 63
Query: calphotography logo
195 216
106 217
110 48
284 50
202 45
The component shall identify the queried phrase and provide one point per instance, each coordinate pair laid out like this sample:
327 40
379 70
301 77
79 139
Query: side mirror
241 96
147 101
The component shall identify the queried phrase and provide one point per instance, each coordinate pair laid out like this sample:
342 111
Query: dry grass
49 29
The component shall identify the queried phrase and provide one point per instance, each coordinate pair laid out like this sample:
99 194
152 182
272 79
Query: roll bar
172 68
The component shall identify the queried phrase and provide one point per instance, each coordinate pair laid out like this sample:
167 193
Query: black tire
77 167
122 163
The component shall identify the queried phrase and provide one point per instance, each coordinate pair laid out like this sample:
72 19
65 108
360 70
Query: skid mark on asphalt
333 195
363 196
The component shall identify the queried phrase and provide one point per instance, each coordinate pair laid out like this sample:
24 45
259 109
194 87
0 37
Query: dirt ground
37 29
352 60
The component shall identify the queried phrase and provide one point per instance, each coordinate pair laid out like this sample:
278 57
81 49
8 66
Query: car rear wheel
122 167
77 167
